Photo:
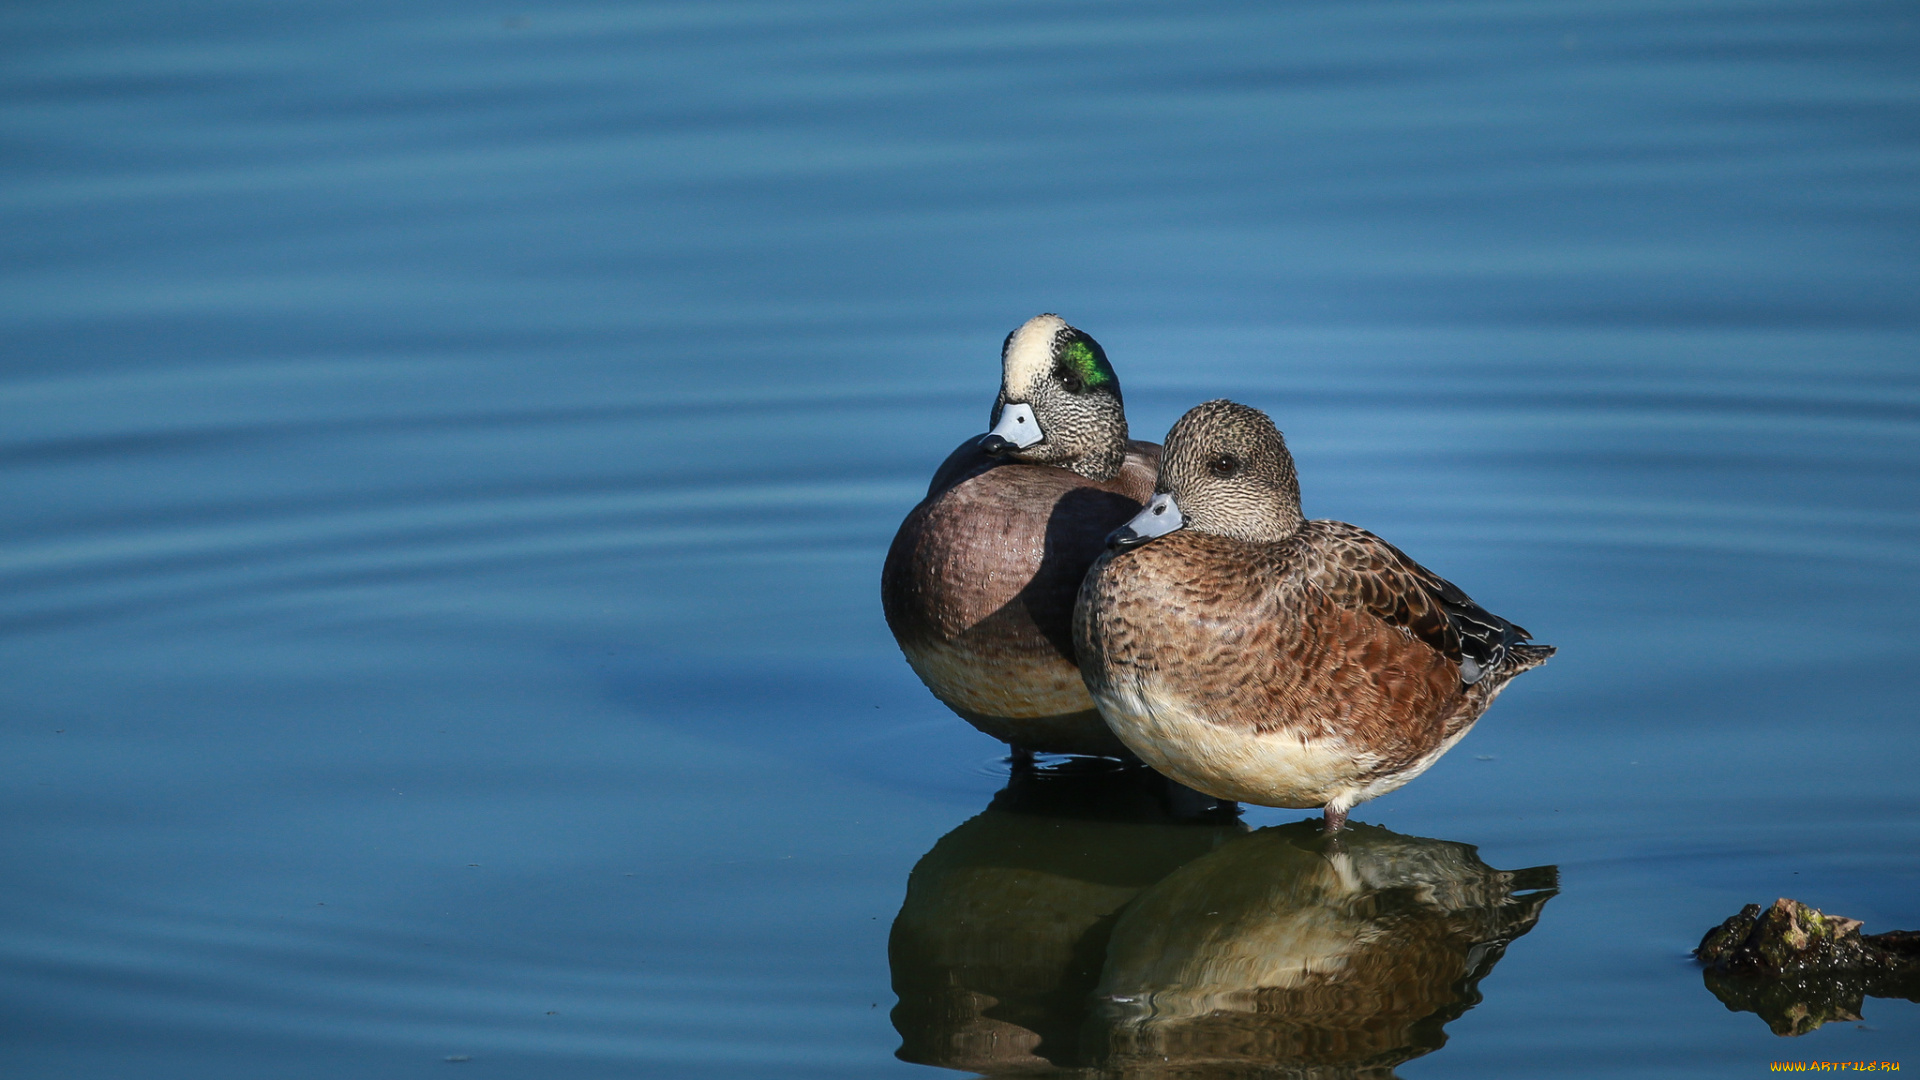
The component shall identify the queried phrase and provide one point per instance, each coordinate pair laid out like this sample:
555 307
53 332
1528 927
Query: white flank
1280 769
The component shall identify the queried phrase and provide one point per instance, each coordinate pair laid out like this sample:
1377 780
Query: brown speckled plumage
1313 664
979 585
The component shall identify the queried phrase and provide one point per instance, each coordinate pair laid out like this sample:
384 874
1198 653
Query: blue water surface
447 453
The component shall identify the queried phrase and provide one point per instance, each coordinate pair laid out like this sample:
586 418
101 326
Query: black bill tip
996 446
1123 538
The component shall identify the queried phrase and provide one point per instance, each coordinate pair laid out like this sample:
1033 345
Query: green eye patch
1086 359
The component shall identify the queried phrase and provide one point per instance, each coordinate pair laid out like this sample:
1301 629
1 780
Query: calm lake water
448 452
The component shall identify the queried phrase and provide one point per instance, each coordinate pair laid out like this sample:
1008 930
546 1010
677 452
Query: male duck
1253 655
980 582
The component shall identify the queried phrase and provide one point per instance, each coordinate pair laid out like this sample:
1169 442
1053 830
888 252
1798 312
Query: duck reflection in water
999 944
1288 950
1155 939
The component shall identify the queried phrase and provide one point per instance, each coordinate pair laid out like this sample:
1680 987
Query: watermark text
1835 1066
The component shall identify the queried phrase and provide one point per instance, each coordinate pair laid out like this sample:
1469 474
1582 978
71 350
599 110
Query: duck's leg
1336 817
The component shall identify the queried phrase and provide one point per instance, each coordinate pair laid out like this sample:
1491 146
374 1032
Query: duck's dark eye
1223 465
1072 383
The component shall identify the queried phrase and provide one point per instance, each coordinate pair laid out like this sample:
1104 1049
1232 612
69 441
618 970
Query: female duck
980 582
1254 655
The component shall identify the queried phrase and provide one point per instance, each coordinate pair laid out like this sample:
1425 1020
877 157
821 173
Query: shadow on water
1100 919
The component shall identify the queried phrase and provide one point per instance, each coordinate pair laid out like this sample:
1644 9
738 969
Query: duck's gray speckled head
1059 401
1225 470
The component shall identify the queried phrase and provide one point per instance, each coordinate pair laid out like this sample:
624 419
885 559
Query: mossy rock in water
1799 968
1785 939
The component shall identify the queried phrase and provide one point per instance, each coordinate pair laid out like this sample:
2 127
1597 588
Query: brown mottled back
1255 655
1276 637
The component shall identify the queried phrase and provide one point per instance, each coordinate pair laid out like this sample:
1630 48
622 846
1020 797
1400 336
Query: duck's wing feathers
1357 569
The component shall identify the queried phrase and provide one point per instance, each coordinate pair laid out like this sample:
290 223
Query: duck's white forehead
1030 354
